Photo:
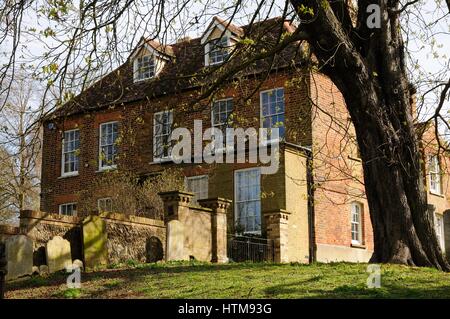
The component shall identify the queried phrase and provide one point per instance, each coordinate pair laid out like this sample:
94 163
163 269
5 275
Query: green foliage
131 263
306 10
130 194
112 283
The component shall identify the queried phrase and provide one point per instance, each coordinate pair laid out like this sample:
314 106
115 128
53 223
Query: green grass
69 293
243 280
37 281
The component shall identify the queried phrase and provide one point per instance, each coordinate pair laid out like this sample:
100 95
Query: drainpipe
311 213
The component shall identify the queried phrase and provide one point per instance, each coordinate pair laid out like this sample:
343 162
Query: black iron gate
246 248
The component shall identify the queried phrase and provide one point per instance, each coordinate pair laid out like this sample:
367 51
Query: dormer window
144 67
218 50
218 39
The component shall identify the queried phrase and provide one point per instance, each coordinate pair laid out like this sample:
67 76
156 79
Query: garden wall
134 238
129 237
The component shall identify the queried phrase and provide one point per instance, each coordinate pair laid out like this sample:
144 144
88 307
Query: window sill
253 233
143 80
214 63
437 194
359 246
106 169
68 175
161 161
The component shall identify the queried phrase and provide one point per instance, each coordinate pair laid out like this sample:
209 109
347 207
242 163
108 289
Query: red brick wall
136 129
337 172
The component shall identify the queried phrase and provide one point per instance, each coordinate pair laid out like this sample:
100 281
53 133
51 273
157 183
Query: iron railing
246 248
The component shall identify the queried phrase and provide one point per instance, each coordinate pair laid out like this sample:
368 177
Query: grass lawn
240 280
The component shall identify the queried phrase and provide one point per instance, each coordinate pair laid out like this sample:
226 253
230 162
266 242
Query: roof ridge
242 27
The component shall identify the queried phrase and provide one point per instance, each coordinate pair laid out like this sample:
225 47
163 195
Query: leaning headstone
175 241
19 254
57 251
35 270
43 270
94 242
77 264
153 250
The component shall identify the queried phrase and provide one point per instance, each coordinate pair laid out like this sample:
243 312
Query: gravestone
94 242
58 254
43 270
153 250
175 241
19 254
35 270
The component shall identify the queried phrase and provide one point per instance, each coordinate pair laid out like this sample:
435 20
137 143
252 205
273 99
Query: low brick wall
133 237
41 227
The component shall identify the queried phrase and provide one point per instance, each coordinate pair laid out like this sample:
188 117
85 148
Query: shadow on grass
132 273
120 283
386 291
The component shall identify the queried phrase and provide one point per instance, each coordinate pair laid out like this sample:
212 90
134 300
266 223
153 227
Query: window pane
71 145
145 67
218 50
248 199
108 139
272 109
356 227
199 186
163 122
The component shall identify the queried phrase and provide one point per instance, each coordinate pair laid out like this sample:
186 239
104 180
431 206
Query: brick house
317 193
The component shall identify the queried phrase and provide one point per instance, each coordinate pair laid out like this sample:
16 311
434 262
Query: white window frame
100 200
152 67
100 146
439 229
208 49
221 126
434 175
236 202
359 223
262 116
169 156
60 209
196 178
63 152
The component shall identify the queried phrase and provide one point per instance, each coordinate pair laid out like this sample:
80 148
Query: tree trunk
367 65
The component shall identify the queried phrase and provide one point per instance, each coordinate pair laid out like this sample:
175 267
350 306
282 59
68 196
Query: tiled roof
182 72
164 49
230 26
